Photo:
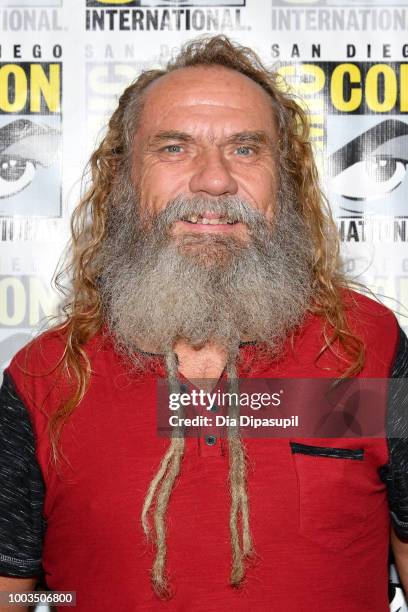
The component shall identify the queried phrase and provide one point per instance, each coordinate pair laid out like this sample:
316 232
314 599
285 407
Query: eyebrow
256 137
259 138
165 136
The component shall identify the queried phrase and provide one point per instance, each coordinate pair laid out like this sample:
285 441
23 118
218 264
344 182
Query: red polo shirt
320 524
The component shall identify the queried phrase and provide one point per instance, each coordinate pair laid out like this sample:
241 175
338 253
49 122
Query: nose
212 175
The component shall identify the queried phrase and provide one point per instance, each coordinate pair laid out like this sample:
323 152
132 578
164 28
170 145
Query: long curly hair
83 310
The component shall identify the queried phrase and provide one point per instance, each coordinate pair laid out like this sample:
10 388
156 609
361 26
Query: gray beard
157 289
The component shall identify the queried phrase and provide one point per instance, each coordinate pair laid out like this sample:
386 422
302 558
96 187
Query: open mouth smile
207 220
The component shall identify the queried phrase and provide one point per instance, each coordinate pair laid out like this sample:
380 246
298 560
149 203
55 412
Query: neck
208 361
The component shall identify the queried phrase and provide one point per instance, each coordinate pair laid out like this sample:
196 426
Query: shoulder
35 370
371 323
38 370
374 323
41 354
368 312
44 353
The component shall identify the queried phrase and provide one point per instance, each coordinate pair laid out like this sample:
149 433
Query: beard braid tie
162 485
239 496
160 489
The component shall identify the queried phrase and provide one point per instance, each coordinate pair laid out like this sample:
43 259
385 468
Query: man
202 250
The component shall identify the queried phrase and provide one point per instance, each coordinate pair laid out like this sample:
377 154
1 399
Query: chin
207 256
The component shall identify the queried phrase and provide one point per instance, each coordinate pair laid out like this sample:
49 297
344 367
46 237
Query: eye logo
15 175
386 170
30 172
24 145
371 166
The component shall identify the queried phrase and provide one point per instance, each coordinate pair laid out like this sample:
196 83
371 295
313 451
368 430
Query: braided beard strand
162 484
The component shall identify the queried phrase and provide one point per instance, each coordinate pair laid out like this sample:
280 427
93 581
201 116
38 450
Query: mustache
233 208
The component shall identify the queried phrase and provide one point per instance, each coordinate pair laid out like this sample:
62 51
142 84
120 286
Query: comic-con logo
30 139
359 122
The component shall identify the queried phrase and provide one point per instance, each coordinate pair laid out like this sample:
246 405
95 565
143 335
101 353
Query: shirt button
210 440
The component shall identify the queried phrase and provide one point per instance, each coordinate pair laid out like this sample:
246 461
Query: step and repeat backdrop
63 64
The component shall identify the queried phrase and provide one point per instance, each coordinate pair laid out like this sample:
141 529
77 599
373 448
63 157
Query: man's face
206 132
206 142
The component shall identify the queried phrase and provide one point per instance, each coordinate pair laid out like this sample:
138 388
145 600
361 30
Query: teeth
205 221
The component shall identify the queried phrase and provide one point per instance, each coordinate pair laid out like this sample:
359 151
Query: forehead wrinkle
192 77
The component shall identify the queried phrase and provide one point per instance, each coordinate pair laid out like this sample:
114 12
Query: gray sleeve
22 525
395 473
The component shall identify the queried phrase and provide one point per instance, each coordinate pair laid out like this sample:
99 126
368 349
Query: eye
173 148
244 151
385 169
371 178
15 175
